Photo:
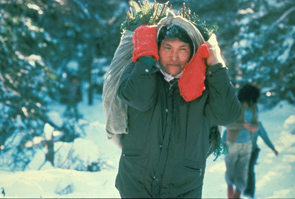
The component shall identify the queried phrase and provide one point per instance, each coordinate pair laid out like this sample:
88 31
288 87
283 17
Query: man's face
174 54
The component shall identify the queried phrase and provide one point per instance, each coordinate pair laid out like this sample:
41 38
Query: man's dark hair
249 93
174 32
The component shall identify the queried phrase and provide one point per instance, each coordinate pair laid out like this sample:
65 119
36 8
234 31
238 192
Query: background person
250 189
239 138
73 94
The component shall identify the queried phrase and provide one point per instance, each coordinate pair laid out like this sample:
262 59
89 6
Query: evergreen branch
183 9
281 18
148 14
165 4
156 14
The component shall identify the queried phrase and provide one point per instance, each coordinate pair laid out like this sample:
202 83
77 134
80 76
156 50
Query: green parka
164 153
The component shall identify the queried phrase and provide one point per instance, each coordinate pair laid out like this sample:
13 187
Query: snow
73 66
251 65
48 131
274 174
288 43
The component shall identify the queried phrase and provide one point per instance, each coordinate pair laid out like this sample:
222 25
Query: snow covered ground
274 174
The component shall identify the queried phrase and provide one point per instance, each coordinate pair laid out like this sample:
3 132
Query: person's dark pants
250 189
72 106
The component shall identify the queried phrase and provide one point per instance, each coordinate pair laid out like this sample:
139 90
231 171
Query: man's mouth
173 65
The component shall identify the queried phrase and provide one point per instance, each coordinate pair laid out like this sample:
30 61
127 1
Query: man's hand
215 55
145 42
249 127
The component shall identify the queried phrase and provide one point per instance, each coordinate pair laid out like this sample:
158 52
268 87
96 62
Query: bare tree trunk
90 89
49 143
89 64
50 150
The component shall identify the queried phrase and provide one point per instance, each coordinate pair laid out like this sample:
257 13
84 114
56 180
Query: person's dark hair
174 32
249 94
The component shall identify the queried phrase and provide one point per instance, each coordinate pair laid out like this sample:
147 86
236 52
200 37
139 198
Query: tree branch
281 18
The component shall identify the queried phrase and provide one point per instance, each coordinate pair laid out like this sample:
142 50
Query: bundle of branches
151 13
206 29
217 145
144 14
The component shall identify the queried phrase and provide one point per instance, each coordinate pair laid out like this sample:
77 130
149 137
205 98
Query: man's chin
174 74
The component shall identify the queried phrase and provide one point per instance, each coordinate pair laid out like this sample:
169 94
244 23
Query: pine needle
155 16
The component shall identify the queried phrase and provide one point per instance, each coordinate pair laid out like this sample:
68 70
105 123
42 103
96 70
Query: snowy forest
43 43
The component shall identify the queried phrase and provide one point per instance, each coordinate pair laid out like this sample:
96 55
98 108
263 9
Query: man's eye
183 49
168 48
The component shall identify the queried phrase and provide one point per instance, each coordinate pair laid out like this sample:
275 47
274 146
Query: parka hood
191 30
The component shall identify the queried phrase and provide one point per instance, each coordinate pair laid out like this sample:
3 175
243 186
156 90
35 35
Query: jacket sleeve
264 136
137 86
223 106
237 126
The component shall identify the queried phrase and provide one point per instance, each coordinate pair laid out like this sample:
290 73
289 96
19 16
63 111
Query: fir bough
219 146
205 29
144 14
147 13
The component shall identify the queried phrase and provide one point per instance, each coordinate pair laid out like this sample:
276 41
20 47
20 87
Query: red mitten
145 42
191 83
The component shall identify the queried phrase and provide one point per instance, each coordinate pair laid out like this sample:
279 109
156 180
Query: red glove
145 42
191 83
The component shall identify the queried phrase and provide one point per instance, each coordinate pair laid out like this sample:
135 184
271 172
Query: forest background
44 42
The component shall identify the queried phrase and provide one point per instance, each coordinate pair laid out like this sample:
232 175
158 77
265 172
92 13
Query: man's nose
174 55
